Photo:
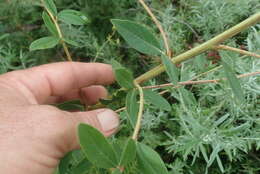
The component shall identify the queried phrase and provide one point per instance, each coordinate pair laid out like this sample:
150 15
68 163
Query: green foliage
101 12
132 106
193 129
124 78
50 6
171 69
138 37
129 153
96 147
149 162
234 82
73 105
157 100
74 162
49 24
44 43
72 17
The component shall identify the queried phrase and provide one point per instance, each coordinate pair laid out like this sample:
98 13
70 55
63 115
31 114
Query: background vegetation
205 132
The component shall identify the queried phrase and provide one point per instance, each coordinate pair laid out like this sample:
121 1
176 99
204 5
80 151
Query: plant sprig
202 48
51 19
54 20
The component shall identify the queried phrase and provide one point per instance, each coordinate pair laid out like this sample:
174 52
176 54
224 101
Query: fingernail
108 120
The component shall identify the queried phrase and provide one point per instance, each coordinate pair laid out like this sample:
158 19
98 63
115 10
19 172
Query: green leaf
157 100
72 17
149 162
171 69
221 120
200 62
71 42
236 130
115 64
187 97
50 6
44 43
138 37
118 146
74 162
49 24
96 147
73 105
204 153
234 82
220 165
214 155
4 36
124 78
128 154
132 106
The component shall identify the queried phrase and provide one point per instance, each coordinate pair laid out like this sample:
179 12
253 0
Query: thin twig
60 35
244 52
140 113
159 26
197 82
189 82
104 44
196 77
121 109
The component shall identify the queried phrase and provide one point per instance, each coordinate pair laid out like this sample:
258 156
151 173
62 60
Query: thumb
105 120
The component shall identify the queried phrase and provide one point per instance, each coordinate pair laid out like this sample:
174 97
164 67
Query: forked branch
203 47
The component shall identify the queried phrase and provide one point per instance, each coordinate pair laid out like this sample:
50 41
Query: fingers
91 95
105 120
88 95
57 79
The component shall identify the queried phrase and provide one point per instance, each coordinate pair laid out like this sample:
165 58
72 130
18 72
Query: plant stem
196 77
203 47
159 26
121 109
104 44
224 47
60 35
197 82
140 113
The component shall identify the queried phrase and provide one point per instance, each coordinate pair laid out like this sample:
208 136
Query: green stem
203 47
60 35
159 26
140 113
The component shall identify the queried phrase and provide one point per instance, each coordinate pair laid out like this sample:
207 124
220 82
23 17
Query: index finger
58 79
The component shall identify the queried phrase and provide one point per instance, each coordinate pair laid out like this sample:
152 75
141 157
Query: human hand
34 136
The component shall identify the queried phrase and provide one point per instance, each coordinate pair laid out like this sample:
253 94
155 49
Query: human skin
34 135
